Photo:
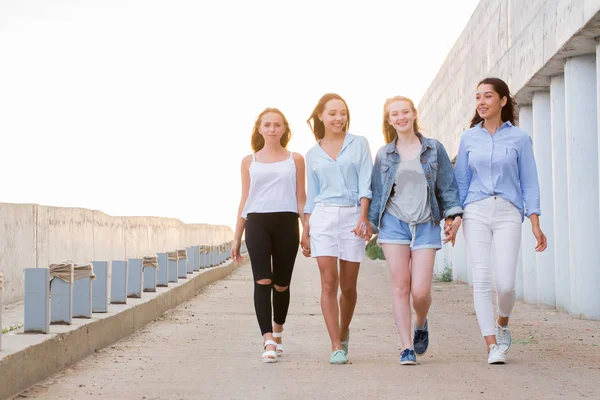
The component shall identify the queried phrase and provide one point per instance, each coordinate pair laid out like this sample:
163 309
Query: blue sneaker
408 357
421 340
338 357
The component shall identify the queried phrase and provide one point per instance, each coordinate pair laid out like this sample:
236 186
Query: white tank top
272 187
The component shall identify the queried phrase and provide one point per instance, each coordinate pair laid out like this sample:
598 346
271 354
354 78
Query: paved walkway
210 347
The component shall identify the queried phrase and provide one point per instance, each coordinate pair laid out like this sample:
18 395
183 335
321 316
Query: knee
280 288
329 286
264 282
421 296
401 289
505 288
349 291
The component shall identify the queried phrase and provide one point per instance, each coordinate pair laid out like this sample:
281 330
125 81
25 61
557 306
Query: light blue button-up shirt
343 181
498 165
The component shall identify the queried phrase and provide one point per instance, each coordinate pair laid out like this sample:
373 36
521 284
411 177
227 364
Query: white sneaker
496 355
503 338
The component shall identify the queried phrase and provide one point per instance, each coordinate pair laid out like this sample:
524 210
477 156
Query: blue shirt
343 181
498 165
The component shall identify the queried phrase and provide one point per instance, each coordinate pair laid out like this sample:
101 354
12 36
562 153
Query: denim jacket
438 174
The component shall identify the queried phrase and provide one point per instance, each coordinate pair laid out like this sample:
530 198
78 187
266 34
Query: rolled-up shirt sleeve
462 173
528 177
366 169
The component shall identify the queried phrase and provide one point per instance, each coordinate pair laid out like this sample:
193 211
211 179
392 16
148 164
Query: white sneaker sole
497 360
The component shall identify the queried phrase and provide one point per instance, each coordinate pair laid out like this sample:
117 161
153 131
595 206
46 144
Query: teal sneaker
345 343
338 357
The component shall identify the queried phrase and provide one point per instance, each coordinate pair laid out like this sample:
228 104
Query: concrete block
149 268
61 302
195 250
182 263
134 278
162 276
189 261
118 282
37 300
172 266
182 268
100 286
82 298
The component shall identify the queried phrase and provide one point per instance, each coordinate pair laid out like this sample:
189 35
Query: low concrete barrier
28 359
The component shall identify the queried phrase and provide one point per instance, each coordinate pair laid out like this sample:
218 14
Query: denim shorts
393 231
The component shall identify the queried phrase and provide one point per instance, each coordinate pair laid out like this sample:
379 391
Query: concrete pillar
542 131
190 260
581 111
560 193
172 266
528 242
37 300
134 278
118 282
1 307
459 260
162 278
82 298
100 286
61 302
195 250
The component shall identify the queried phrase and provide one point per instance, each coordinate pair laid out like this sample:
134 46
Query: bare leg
398 260
329 303
348 280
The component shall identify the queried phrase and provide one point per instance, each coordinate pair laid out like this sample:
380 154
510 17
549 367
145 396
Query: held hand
235 251
363 229
540 238
451 227
305 244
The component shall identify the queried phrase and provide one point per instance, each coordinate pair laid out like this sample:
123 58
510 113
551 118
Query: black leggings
276 237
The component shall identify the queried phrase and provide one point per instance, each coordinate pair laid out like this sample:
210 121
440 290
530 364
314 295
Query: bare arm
300 185
241 222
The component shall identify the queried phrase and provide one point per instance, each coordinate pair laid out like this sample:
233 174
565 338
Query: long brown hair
508 112
316 125
258 141
389 132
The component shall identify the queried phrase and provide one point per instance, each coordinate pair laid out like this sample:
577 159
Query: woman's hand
540 238
451 226
363 229
235 251
305 243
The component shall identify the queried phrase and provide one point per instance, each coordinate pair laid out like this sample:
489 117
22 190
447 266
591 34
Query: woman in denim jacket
413 190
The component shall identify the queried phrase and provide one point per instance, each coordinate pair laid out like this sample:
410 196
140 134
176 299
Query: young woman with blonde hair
413 191
273 197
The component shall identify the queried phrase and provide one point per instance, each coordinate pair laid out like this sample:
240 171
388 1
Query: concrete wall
522 42
547 52
37 236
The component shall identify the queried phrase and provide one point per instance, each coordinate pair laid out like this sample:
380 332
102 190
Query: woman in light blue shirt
498 186
338 173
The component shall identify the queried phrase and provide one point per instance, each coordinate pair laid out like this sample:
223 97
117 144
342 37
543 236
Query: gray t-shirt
410 202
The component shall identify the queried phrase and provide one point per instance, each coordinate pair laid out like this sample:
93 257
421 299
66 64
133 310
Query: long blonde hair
389 132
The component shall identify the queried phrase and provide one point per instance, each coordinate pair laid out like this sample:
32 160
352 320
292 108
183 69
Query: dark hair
389 132
316 125
508 111
258 141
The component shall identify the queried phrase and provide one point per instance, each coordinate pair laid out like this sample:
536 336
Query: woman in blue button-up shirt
498 186
338 174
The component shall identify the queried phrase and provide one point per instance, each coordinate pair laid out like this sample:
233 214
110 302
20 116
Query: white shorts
331 233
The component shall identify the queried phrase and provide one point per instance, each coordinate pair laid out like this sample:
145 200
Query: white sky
145 107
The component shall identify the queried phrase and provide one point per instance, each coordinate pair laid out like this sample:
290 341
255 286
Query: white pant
492 224
331 233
